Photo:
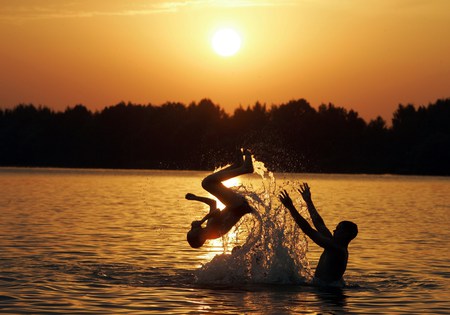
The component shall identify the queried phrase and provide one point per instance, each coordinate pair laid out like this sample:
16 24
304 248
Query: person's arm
205 218
210 202
318 238
318 222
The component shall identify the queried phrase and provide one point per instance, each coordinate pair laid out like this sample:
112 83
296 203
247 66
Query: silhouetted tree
421 138
291 137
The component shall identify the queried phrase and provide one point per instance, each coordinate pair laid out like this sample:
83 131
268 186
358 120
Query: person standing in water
333 261
220 222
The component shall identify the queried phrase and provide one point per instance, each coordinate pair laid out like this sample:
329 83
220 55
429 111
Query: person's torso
223 222
332 265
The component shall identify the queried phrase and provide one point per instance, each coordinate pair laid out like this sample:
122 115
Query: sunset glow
363 55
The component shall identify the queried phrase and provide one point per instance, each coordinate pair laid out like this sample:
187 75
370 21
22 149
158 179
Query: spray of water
274 251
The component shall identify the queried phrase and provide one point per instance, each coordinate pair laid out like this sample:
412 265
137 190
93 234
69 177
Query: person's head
195 236
346 230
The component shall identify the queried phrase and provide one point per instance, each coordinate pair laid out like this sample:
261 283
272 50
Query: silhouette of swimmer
219 222
333 261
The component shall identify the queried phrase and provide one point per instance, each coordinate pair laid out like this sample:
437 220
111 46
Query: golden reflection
223 245
215 247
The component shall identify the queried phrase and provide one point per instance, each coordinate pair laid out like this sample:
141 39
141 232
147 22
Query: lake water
113 242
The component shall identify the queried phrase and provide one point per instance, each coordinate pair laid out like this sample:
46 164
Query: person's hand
286 199
305 191
190 196
196 224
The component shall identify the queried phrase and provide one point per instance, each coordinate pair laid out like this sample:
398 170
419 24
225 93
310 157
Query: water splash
274 251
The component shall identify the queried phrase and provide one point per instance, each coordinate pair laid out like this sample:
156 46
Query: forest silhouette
291 137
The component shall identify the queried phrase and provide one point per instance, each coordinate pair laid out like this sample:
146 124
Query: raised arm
318 222
318 238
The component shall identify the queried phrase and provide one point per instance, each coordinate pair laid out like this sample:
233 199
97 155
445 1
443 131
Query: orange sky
364 55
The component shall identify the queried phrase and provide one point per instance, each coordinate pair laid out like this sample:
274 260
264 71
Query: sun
226 42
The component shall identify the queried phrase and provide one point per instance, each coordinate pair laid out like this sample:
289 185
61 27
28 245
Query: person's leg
213 182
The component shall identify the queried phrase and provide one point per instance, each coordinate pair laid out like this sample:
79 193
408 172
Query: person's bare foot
190 196
239 160
248 161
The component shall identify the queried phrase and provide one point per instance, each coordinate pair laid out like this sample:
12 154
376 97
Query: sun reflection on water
223 245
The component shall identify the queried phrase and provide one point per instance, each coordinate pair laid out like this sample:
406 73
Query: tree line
291 137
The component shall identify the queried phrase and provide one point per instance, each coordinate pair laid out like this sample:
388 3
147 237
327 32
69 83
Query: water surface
113 242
